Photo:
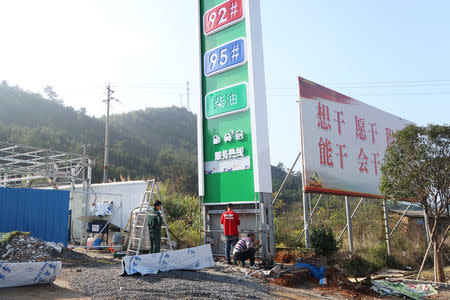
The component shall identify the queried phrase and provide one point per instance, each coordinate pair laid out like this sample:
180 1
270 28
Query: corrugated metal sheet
42 212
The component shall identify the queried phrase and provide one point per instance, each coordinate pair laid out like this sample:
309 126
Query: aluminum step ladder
151 195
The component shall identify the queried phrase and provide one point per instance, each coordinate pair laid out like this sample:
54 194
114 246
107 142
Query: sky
394 55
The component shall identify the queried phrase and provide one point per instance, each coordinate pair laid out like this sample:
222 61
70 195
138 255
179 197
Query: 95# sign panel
222 16
225 57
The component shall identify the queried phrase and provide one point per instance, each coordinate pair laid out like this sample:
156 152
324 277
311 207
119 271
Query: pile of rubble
24 248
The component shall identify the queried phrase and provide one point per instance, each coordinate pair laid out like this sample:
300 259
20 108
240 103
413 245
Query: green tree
417 167
51 94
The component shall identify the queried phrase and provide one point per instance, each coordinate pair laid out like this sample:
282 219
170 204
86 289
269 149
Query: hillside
155 142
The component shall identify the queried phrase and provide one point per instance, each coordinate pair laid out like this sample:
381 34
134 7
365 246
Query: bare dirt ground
60 289
100 279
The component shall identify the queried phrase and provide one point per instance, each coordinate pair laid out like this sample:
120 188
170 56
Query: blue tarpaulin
318 272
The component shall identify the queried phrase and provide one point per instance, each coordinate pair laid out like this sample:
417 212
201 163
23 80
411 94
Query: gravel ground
220 282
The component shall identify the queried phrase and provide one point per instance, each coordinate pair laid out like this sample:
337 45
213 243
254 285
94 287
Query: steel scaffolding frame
23 166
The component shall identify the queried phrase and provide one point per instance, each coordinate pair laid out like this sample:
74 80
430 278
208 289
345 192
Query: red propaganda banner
343 141
222 16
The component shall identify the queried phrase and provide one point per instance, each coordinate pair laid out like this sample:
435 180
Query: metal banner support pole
306 219
351 217
386 227
312 213
291 170
349 225
400 220
427 225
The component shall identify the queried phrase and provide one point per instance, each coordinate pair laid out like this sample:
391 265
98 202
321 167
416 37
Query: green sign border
235 186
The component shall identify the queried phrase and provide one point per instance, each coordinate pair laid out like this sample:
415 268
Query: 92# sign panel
222 16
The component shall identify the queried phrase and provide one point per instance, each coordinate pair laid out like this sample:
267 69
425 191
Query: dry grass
428 274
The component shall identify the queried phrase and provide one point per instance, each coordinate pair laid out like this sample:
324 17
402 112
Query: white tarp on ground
185 259
28 273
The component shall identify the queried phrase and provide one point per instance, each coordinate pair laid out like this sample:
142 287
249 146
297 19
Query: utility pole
187 97
108 101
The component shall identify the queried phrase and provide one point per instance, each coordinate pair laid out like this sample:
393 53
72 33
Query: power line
376 84
379 94
384 82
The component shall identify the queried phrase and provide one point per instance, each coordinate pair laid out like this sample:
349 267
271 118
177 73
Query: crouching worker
154 227
245 249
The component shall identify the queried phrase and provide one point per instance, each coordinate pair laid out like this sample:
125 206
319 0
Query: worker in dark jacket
154 227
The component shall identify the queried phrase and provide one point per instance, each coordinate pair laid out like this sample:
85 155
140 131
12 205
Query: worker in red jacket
230 221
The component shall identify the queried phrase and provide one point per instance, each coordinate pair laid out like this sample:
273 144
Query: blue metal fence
42 212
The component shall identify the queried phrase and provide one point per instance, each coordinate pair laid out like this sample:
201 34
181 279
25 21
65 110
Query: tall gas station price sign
234 159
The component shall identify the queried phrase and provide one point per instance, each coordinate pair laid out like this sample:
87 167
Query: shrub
357 266
288 224
323 241
377 255
182 213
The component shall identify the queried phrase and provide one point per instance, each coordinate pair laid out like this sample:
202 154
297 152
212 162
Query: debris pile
290 276
23 248
337 277
290 256
400 289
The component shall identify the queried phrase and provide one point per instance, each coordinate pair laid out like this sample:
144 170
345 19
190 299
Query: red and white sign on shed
343 141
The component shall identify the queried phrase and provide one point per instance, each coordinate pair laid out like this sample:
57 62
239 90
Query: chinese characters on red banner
365 131
362 159
342 154
360 129
323 116
339 120
325 152
389 136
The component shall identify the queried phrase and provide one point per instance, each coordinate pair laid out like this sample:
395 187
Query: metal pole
188 105
306 219
435 260
349 225
200 219
121 223
386 227
286 178
85 205
312 213
266 229
401 218
427 225
204 223
106 158
427 229
353 214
